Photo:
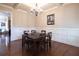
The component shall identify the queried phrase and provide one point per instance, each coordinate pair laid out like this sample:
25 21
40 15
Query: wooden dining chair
26 42
46 41
42 41
23 40
50 37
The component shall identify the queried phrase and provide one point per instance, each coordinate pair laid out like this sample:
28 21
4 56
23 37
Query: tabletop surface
34 36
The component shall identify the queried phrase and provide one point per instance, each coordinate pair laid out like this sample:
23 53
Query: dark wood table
35 40
34 36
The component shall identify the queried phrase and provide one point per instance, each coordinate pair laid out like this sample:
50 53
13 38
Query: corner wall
66 28
20 20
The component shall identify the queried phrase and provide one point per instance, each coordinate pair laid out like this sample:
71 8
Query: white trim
21 10
6 6
57 6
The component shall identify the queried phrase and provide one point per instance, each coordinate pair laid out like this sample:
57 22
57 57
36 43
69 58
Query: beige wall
66 28
19 18
65 16
23 19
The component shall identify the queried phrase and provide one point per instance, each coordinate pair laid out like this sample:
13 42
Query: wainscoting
64 35
16 32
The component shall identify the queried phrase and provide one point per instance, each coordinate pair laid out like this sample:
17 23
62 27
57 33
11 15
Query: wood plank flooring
58 49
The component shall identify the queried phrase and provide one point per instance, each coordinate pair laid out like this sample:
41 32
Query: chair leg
22 44
47 47
50 44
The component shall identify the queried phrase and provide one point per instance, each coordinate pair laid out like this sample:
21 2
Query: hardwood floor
58 49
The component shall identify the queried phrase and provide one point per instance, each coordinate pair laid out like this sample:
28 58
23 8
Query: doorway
5 30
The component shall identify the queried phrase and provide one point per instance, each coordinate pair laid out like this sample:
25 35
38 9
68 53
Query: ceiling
28 6
10 4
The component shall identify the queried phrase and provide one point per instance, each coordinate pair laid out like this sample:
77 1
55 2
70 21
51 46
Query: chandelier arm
36 10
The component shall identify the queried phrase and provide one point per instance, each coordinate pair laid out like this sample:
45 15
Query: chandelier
36 10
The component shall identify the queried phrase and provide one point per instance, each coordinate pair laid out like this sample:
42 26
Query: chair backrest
43 31
50 35
25 34
47 38
26 31
43 35
33 31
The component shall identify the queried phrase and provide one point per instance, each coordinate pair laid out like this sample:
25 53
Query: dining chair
42 41
23 40
25 34
43 33
46 41
26 41
50 37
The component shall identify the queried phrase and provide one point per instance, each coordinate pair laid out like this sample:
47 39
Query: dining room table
36 40
34 36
